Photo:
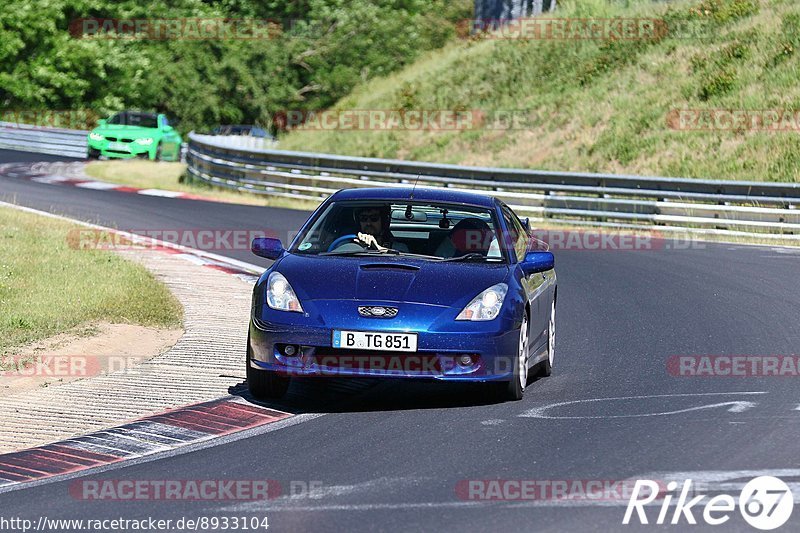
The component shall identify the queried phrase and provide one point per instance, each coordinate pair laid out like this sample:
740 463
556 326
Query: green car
131 134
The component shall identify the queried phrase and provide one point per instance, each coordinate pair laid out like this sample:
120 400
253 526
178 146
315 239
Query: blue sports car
405 282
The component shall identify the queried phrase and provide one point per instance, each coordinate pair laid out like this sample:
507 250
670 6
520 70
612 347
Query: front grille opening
377 361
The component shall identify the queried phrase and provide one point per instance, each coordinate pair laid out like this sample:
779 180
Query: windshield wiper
385 251
474 256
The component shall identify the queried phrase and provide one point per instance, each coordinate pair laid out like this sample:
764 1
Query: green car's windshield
130 118
427 230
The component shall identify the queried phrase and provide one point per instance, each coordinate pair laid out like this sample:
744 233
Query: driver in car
374 225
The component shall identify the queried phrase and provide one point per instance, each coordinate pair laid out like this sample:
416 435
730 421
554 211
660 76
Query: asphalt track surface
389 455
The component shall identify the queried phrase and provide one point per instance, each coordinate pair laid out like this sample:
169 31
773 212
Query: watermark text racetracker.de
734 366
610 240
740 120
186 29
138 490
154 238
175 489
567 29
67 366
414 119
546 490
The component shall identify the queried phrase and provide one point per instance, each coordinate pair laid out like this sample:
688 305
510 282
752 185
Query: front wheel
264 384
546 366
514 390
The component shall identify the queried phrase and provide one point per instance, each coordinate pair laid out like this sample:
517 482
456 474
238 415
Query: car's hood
131 131
389 279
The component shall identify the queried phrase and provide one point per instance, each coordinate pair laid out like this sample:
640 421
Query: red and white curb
147 436
31 172
247 272
105 186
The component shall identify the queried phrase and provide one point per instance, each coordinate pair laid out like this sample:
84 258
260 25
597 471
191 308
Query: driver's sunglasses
368 218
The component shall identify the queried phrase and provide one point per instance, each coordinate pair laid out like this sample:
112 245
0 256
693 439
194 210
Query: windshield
128 118
429 230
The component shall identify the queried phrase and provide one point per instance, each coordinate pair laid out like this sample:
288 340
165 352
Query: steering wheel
340 241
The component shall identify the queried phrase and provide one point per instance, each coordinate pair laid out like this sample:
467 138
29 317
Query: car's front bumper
493 351
133 150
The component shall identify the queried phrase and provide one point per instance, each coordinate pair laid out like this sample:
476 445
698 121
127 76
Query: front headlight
486 305
95 136
144 142
280 294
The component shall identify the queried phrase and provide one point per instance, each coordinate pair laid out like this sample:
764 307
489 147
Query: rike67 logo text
765 503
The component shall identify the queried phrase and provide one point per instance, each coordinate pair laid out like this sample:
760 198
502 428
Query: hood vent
389 266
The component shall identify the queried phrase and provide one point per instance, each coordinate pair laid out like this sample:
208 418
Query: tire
546 366
92 154
264 384
514 390
159 156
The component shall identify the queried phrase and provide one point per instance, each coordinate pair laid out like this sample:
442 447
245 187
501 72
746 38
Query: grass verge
167 176
47 287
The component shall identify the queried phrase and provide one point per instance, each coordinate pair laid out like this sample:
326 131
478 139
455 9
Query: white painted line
98 185
86 443
193 259
159 192
130 431
130 442
177 433
50 179
735 406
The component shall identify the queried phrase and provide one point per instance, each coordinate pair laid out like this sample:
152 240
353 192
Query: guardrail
766 210
73 143
70 143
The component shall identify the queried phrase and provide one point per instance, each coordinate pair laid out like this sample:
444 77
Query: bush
327 47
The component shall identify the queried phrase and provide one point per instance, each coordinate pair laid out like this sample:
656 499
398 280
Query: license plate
123 147
371 340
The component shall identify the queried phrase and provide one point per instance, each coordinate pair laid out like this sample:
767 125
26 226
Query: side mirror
101 122
166 128
538 262
266 247
526 223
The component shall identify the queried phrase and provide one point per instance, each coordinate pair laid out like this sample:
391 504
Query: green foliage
718 69
790 30
611 55
725 11
717 83
325 48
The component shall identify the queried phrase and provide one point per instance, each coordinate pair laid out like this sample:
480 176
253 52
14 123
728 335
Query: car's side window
518 235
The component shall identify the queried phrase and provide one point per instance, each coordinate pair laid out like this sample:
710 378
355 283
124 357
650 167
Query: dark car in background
244 130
